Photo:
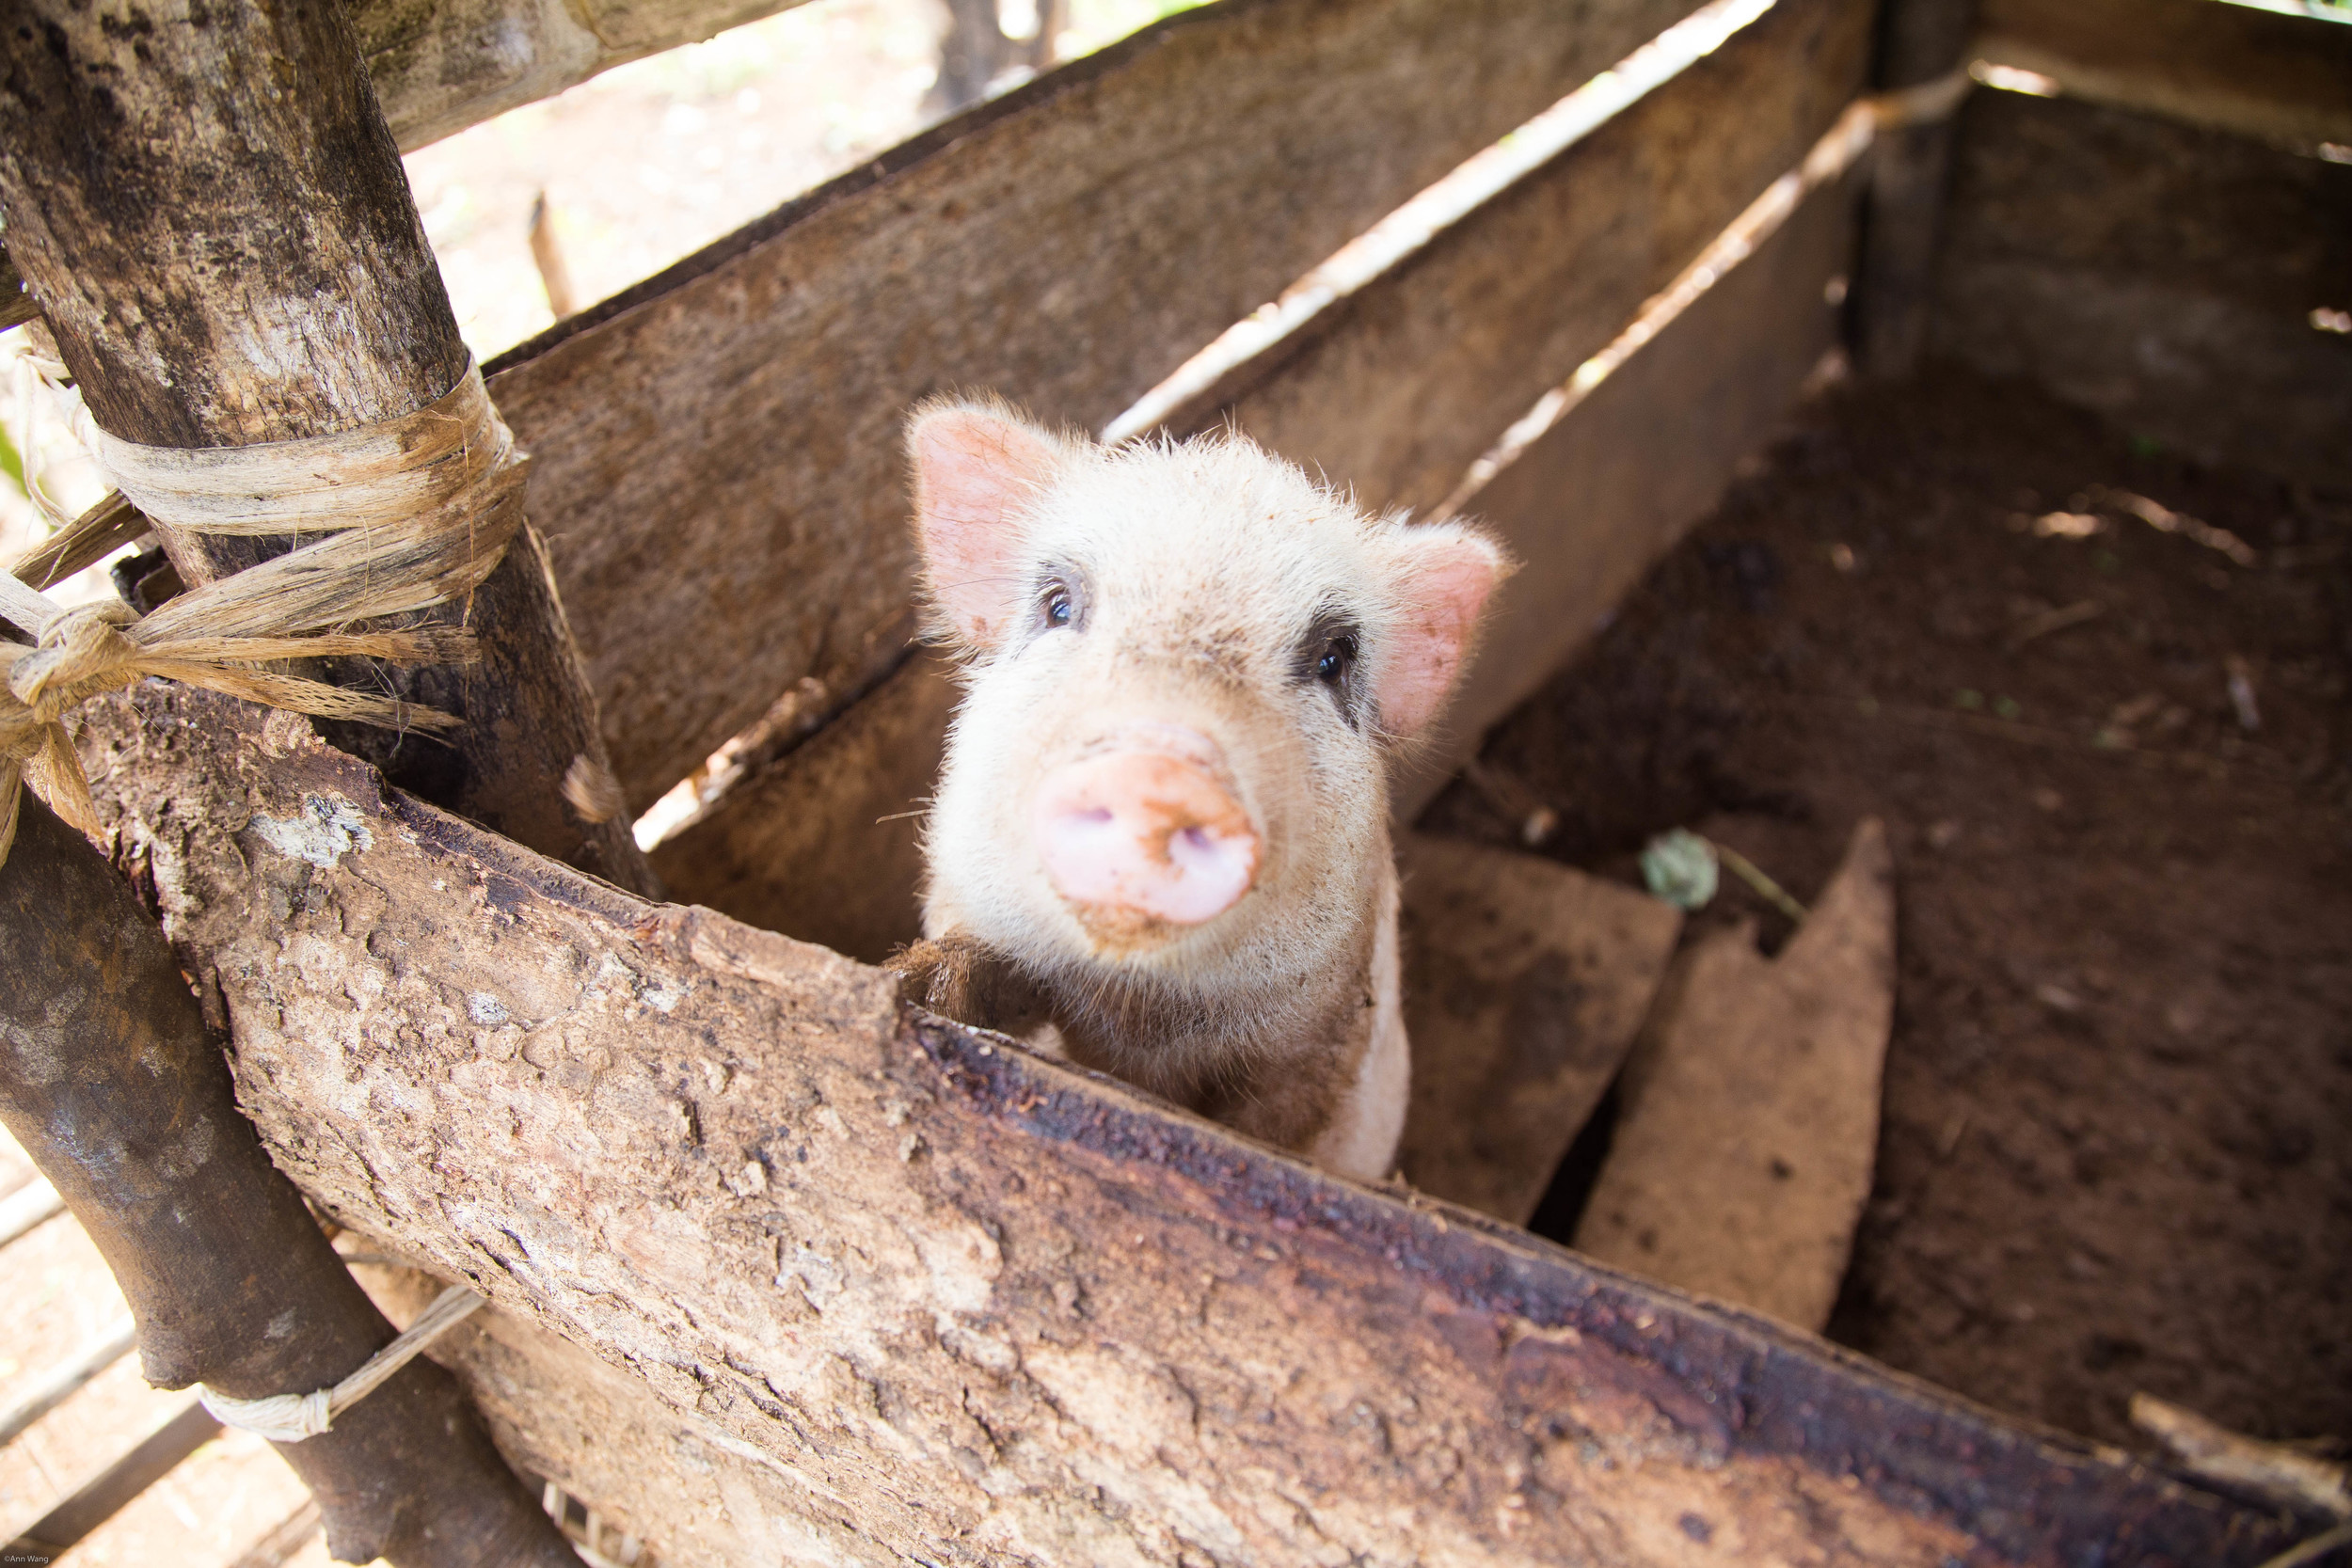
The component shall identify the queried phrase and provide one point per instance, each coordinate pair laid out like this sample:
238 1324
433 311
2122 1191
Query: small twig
547 255
2220 1454
2054 620
1750 873
2311 1550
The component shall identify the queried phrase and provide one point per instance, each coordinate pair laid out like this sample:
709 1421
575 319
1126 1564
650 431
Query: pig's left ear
1443 575
976 468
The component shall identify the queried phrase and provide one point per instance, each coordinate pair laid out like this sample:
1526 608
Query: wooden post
214 219
109 1080
1911 166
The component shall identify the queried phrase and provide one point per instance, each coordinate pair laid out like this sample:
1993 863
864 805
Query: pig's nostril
1145 832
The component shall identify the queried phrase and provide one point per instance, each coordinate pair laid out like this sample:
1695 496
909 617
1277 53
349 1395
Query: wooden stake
1902 222
215 220
110 1081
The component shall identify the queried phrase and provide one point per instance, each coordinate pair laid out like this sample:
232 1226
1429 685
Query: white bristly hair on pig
1188 667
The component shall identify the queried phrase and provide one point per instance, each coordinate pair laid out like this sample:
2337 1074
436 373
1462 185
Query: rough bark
215 220
723 444
16 305
112 1083
969 1305
442 65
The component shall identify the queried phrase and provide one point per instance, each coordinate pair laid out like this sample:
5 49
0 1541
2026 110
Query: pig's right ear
976 468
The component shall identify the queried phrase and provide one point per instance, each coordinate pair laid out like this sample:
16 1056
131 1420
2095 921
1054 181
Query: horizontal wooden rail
718 451
36 1398
113 1489
28 1205
1394 391
442 65
2251 70
947 1300
1397 388
1591 505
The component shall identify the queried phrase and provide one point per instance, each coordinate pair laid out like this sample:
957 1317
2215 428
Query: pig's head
1188 667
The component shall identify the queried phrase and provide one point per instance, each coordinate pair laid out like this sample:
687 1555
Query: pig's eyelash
1060 603
1331 656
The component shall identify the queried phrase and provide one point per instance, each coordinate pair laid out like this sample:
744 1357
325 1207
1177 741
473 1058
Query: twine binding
411 512
292 1417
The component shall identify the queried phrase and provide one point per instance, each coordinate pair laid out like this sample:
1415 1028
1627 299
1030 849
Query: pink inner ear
975 469
1447 579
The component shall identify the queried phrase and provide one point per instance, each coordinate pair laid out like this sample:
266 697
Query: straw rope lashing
292 1417
408 512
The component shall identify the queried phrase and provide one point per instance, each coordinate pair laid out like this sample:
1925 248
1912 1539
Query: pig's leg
959 977
1361 1140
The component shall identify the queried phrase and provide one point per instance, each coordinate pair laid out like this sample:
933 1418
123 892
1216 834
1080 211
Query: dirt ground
2114 1154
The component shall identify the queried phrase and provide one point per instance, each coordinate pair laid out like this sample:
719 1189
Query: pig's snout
1142 835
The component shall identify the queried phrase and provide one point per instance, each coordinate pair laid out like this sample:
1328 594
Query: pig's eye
1326 657
1057 608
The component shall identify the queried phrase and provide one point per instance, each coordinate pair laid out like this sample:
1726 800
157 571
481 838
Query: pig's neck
1277 1057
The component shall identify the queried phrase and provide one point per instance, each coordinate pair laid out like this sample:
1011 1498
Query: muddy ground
2115 1150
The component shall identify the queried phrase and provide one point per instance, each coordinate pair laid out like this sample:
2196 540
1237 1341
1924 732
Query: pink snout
1141 834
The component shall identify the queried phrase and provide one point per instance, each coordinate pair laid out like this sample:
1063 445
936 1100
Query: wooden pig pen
783 1270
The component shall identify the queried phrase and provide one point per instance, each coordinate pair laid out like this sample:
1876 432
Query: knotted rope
413 512
291 1417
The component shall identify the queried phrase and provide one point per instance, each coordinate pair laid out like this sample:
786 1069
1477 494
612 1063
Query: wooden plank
718 451
1525 983
1397 390
973 1305
1395 393
1592 503
2254 69
824 844
442 65
2162 275
1749 1126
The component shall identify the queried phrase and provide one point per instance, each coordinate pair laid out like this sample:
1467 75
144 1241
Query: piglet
1160 842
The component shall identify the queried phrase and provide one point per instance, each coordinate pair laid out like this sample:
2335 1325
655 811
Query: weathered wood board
2252 69
825 843
971 1306
442 65
2161 275
1397 390
717 451
1591 504
1749 1120
1644 470
1525 984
